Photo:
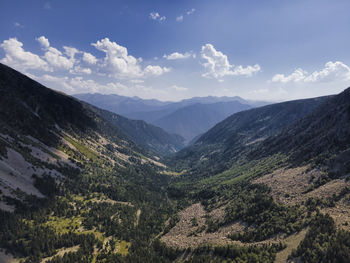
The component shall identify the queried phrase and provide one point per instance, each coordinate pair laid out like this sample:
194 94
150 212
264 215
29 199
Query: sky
273 50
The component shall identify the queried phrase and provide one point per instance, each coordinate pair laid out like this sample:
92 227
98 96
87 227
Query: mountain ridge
200 117
160 113
241 131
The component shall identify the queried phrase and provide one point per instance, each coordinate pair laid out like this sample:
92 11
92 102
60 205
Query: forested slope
71 181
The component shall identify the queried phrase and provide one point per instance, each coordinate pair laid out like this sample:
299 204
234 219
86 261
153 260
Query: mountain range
83 184
188 118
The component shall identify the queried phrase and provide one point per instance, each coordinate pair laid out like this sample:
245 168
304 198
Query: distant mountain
147 135
195 119
163 113
227 140
168 109
121 104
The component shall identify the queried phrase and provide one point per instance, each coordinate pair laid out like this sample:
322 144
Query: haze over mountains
82 184
188 118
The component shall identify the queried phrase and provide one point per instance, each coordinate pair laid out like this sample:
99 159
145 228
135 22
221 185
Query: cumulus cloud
177 55
120 64
117 60
79 85
43 41
180 18
298 75
70 61
17 57
332 71
89 58
55 58
155 70
156 16
70 52
217 65
80 70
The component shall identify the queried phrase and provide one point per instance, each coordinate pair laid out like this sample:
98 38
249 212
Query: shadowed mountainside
193 120
230 139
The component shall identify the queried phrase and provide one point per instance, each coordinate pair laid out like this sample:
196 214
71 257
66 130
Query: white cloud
80 85
247 71
59 83
17 57
298 75
56 59
332 71
180 18
190 12
79 70
89 58
156 16
177 55
70 52
43 41
218 66
155 70
177 88
119 64
117 61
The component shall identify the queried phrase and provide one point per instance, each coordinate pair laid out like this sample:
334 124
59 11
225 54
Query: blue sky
170 50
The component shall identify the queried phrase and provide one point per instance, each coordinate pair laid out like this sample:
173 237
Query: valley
267 183
188 118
